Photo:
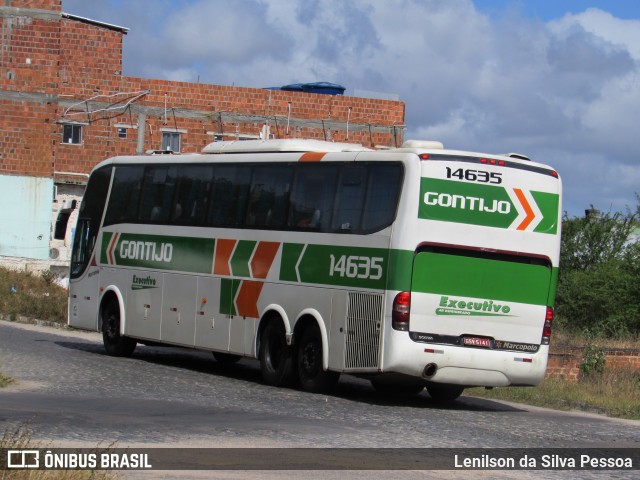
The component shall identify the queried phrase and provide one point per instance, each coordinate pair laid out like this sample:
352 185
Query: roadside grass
612 392
31 295
4 380
20 438
615 393
563 337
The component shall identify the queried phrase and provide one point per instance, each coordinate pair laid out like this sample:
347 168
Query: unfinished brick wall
49 62
90 56
55 5
29 55
195 110
564 362
29 52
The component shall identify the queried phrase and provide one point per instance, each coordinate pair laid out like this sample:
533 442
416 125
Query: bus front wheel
313 378
115 344
276 363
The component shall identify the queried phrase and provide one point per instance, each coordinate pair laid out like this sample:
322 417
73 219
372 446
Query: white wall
25 216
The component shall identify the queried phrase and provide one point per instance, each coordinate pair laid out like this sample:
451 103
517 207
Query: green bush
594 358
603 299
598 285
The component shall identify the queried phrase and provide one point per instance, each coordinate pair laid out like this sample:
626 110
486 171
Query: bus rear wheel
115 344
226 358
444 393
309 362
276 363
404 387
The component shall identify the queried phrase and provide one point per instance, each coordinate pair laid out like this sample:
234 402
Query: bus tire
312 377
115 344
226 358
397 388
276 362
444 393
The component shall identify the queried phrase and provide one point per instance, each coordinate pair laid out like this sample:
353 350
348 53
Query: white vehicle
415 266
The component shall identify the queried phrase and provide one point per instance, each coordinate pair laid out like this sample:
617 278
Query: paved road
72 394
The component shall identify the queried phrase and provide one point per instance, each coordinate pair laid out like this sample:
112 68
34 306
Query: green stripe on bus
481 278
184 254
552 288
485 205
549 204
240 258
399 271
290 255
465 203
228 291
335 265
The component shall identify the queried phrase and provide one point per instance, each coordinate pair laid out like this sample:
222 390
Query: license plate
477 342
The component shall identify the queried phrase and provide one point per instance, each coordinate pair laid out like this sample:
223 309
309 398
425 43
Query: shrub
29 295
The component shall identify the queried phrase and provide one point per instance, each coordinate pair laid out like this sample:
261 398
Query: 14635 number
354 266
475 175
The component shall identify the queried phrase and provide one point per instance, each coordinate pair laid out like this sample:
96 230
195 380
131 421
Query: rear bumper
462 365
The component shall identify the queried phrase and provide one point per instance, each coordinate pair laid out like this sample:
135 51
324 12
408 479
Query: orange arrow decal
527 208
247 299
312 156
224 249
263 258
111 248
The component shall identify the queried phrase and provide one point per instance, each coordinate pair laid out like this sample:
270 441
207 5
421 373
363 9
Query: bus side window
350 199
230 190
191 193
269 197
382 196
157 194
125 194
312 197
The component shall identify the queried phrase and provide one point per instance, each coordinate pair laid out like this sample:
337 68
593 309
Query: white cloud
219 30
623 33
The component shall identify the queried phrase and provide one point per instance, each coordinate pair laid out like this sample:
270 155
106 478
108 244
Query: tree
594 239
599 282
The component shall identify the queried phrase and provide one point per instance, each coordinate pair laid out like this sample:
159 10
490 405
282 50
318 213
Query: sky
557 80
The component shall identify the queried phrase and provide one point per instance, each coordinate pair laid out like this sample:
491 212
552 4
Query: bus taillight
546 331
400 312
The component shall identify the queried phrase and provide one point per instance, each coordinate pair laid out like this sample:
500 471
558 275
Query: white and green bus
414 266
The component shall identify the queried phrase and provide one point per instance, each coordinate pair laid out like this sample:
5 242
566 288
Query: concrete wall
25 216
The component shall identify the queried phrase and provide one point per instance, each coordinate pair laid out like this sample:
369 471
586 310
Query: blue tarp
315 87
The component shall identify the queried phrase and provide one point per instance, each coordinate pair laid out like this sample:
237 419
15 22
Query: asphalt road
70 393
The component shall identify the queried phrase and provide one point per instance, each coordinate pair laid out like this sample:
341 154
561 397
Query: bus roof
283 145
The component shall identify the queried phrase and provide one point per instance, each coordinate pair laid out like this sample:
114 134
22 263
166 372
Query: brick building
65 106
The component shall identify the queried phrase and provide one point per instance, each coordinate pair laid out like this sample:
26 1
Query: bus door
84 275
478 299
84 291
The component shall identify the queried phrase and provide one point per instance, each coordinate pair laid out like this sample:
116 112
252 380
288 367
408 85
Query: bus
414 266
